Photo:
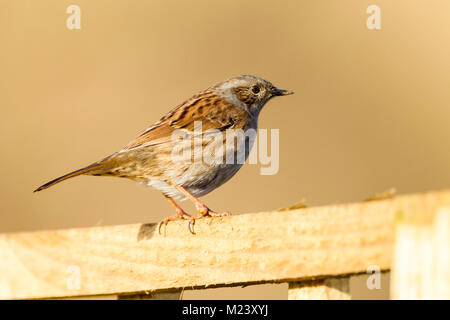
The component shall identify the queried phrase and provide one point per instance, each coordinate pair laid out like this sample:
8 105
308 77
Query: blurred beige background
371 109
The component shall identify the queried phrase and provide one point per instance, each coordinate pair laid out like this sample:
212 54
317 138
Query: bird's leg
180 213
201 208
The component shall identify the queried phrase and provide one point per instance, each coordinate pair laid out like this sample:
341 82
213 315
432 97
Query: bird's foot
180 214
203 211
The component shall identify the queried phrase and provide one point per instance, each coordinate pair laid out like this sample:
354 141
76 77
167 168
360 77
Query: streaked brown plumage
232 104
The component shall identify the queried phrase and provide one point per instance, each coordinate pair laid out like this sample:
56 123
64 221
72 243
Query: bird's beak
282 92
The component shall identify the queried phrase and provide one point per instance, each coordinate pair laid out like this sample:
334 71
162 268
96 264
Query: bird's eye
255 89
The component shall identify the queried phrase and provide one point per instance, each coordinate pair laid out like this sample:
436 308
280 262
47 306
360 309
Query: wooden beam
326 289
421 266
255 248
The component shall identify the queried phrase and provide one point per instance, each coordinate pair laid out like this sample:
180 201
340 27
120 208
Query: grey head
249 92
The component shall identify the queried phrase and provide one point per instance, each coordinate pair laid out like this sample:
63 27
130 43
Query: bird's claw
180 214
201 215
191 225
191 219
160 225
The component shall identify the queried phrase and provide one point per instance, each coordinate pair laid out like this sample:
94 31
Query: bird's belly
201 177
197 180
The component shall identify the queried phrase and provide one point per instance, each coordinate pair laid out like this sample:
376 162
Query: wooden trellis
316 250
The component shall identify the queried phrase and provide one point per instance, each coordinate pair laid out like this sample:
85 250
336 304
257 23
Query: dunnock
233 104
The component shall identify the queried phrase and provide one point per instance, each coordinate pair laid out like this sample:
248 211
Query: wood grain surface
292 245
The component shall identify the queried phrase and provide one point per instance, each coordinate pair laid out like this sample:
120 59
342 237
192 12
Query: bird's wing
211 110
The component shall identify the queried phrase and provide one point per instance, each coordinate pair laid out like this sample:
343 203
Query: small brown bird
233 104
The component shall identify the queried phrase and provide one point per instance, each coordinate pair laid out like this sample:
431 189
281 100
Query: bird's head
249 92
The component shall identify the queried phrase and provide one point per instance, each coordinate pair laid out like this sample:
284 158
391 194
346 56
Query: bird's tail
72 174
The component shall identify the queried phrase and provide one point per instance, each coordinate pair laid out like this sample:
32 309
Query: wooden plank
327 289
421 266
252 248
